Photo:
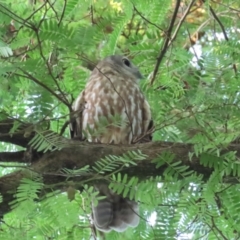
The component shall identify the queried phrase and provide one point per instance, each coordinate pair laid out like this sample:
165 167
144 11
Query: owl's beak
140 76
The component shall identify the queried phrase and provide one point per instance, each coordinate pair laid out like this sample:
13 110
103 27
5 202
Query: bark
21 137
13 157
79 154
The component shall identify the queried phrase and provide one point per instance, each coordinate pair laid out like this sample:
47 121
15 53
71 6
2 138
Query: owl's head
122 65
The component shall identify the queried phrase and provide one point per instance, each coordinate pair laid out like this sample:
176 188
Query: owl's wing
147 124
76 118
147 118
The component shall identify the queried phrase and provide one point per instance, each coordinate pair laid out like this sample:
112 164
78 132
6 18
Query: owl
113 110
112 107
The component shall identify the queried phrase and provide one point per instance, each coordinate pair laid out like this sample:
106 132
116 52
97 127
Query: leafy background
188 52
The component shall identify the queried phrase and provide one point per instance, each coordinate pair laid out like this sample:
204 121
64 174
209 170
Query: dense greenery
188 52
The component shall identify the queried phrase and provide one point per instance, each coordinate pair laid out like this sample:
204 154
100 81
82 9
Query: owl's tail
114 212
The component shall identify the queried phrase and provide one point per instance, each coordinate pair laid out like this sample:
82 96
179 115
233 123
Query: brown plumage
112 109
114 212
112 91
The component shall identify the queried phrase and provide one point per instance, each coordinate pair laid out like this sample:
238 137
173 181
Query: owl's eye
126 62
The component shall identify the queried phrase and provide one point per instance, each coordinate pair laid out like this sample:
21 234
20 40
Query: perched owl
113 110
112 95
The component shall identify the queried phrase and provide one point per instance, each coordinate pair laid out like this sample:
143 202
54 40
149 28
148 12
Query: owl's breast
113 110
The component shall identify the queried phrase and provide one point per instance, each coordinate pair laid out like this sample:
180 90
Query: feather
113 110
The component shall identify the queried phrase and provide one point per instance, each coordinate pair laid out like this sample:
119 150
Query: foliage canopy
188 52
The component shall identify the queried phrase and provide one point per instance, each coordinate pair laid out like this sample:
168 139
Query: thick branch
78 155
17 137
13 157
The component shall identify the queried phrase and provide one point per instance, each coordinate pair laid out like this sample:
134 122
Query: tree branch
16 137
145 19
31 77
181 22
14 16
78 154
13 157
219 22
166 43
63 12
224 33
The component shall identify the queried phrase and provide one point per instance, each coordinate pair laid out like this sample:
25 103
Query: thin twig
30 16
48 66
65 125
29 76
165 45
181 22
63 12
185 46
230 8
91 13
224 34
51 5
220 23
145 19
218 230
24 52
14 16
